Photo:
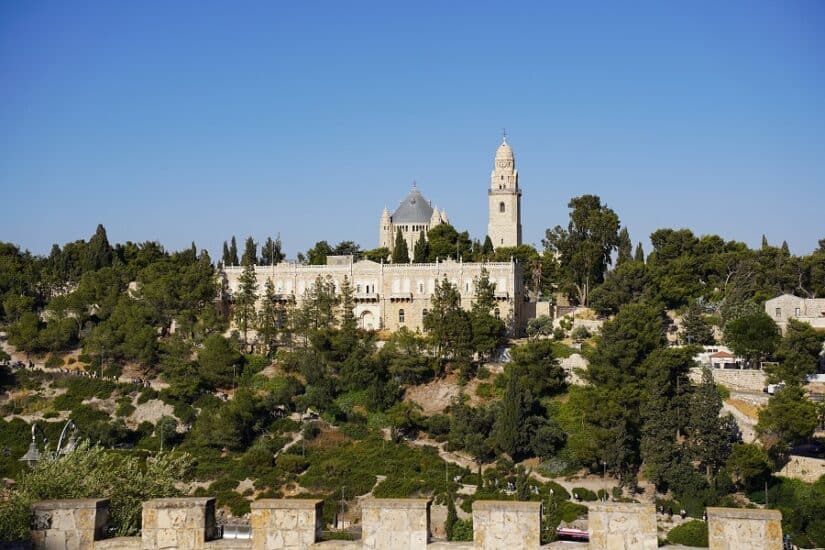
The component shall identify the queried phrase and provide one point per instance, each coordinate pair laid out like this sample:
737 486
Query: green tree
452 518
448 325
584 248
245 300
798 354
317 255
748 464
99 251
377 255
233 252
509 424
23 333
788 419
753 336
487 248
537 368
269 318
695 329
250 252
217 359
488 330
421 249
271 253
400 252
639 255
348 248
711 436
446 242
624 285
624 247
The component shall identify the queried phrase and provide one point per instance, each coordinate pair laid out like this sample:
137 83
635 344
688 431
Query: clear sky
196 120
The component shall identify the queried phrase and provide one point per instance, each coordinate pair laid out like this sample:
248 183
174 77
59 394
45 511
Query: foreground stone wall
387 524
734 528
622 526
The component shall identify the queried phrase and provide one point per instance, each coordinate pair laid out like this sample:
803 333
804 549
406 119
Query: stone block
731 528
506 525
71 524
395 524
622 526
119 543
181 523
288 524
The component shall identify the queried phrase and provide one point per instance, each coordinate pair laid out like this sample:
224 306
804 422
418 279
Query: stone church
390 296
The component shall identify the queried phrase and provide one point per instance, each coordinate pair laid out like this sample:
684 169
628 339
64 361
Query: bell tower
504 198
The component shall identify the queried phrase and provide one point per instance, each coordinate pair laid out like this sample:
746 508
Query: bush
580 333
691 533
484 390
584 494
54 362
293 464
462 530
723 391
124 407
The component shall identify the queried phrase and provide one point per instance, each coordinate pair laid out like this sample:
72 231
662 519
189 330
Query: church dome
413 209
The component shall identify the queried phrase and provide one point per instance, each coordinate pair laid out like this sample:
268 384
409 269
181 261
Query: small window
501 207
778 312
421 288
424 314
796 312
467 287
401 316
497 313
502 177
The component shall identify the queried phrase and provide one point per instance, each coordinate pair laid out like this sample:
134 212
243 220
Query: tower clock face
503 163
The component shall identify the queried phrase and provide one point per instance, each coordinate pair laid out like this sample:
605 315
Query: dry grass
745 407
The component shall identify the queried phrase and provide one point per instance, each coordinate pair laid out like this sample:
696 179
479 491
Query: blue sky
180 121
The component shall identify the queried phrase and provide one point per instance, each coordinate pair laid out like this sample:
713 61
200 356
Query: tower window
501 207
401 316
497 313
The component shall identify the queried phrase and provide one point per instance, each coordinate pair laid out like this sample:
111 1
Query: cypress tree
98 251
625 247
250 252
640 254
421 249
765 244
785 249
508 425
233 252
226 257
487 248
452 518
400 253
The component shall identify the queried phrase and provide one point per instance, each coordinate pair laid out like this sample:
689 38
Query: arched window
501 207
401 316
497 313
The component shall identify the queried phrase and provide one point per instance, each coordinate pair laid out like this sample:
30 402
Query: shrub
71 361
438 424
584 494
293 464
691 533
723 391
580 333
462 530
484 390
54 362
146 394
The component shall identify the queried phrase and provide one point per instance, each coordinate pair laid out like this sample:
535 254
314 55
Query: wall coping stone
285 504
519 506
180 502
70 504
621 507
405 503
745 513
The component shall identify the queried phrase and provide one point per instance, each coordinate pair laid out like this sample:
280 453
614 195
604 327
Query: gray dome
413 209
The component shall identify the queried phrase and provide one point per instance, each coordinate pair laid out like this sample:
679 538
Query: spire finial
413 183
504 135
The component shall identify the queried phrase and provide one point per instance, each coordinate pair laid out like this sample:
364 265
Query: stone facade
622 526
387 524
68 524
285 524
504 199
506 525
807 310
396 523
735 528
390 296
185 523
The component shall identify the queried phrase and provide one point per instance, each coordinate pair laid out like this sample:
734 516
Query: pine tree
785 249
625 247
421 249
639 256
271 252
233 252
765 244
448 325
400 253
487 248
245 300
250 252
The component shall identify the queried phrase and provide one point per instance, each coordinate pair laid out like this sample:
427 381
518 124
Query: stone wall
747 380
805 468
506 525
735 528
387 524
68 524
622 526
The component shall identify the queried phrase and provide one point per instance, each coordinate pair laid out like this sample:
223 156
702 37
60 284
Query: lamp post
33 455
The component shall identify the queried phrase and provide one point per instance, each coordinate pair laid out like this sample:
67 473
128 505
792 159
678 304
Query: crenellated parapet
387 524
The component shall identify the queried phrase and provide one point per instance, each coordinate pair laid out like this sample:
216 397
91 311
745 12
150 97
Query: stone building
787 306
391 296
414 215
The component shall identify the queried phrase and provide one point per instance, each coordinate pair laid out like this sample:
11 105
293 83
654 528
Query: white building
787 306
